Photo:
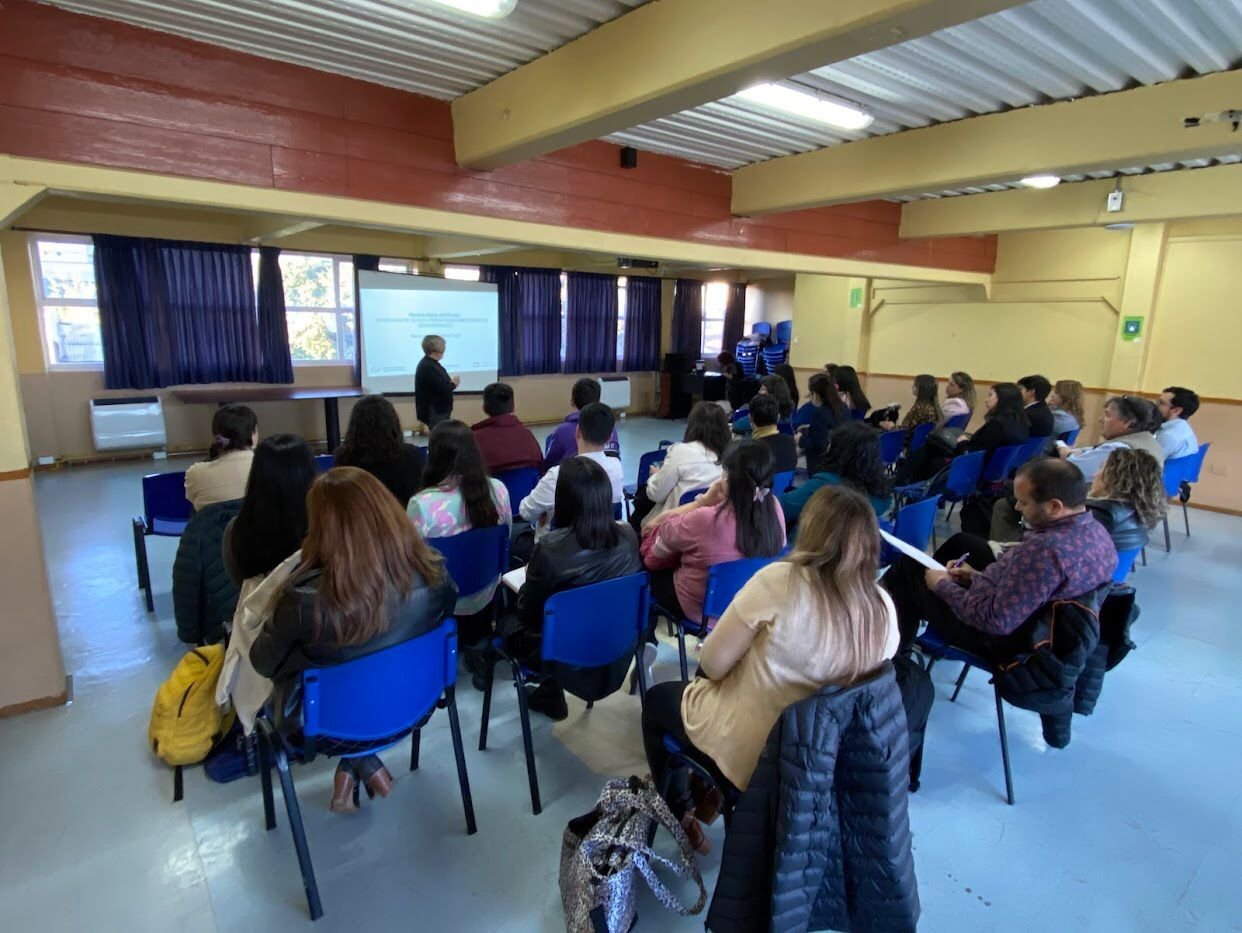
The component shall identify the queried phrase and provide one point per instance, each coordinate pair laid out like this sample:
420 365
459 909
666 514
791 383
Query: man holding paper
977 598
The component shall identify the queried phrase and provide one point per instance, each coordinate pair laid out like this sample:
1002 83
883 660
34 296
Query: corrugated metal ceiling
416 47
1043 51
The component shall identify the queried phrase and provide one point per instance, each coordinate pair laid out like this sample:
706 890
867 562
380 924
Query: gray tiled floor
1136 826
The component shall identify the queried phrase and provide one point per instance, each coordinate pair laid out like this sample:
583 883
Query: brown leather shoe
343 793
380 783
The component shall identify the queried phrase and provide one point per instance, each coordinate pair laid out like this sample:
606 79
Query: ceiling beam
454 247
1138 127
673 55
1182 195
16 198
262 231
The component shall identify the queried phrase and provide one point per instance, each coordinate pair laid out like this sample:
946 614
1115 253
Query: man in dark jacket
204 595
1035 391
504 442
821 837
433 386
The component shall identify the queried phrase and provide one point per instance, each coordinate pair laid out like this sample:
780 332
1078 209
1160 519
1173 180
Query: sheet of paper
514 578
909 551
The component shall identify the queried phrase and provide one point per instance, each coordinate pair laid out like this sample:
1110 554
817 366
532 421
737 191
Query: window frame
42 302
724 310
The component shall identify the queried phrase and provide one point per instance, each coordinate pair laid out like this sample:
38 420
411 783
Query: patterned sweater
1060 560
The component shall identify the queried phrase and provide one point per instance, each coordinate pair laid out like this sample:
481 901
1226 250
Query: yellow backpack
185 719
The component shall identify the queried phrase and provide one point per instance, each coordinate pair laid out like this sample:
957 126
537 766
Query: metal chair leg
178 784
463 779
960 680
489 680
590 704
524 713
415 742
640 671
144 566
681 654
1143 553
1168 546
299 835
1186 517
265 778
1004 743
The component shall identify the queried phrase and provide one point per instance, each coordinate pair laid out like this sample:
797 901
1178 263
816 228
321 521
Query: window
715 300
622 281
64 274
319 307
404 266
462 273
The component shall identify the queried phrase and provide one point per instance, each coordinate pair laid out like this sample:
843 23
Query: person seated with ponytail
737 517
222 476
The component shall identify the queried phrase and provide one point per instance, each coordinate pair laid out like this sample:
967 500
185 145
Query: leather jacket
559 562
1123 523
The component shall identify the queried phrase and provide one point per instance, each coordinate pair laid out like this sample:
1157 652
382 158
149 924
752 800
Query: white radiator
124 423
615 391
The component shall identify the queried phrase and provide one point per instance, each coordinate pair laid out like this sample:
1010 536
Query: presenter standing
433 386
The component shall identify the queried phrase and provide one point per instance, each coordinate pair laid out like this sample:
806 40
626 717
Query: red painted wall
81 89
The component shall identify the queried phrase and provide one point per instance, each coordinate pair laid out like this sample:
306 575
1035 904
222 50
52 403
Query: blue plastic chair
1000 462
547 443
165 512
1179 474
782 481
587 627
747 356
961 480
920 434
645 463
1028 452
371 703
691 495
892 443
785 427
915 522
475 559
958 421
784 332
761 327
1125 563
1070 436
664 445
323 462
723 582
519 482
934 648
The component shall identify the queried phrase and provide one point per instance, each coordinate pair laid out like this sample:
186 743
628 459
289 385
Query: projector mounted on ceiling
624 262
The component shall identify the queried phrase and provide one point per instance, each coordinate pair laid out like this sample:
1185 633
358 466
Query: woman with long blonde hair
814 619
1127 496
365 581
1066 404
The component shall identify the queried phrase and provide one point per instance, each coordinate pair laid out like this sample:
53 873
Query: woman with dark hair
692 464
852 459
816 618
769 385
374 443
926 407
786 372
272 520
828 412
1004 425
366 581
587 546
737 517
222 476
457 496
852 395
1127 421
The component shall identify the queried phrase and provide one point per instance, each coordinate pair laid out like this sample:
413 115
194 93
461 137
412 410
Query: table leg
332 423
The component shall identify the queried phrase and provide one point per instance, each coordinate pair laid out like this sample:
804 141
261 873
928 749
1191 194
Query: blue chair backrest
666 444
761 327
784 332
858 414
475 558
646 461
164 503
1198 464
915 522
958 421
782 481
724 581
920 434
1070 436
323 462
547 443
1029 451
617 513
1000 462
964 471
382 694
519 482
891 445
1125 563
691 495
594 625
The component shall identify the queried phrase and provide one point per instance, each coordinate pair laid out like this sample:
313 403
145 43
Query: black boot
549 699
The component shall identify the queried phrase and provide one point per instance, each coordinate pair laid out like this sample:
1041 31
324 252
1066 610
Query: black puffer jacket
204 596
1117 614
821 837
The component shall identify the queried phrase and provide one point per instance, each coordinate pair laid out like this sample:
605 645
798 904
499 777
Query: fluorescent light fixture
488 9
1041 181
808 105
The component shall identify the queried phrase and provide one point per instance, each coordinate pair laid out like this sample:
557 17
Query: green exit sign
1131 328
856 297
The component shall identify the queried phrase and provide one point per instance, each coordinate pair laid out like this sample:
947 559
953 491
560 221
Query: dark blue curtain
688 317
173 313
273 328
643 322
541 320
590 323
735 317
509 294
362 263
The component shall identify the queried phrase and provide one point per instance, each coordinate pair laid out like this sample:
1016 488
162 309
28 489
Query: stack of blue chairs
775 355
784 332
747 355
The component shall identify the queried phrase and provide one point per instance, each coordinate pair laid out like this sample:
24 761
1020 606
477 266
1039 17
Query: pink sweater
691 543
